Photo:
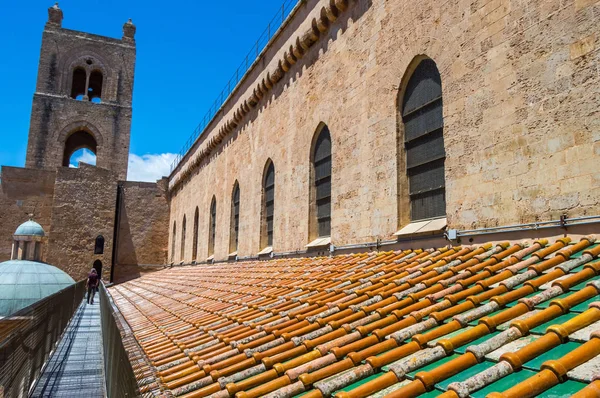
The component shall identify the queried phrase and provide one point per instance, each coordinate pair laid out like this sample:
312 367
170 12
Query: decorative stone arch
80 125
88 136
81 57
405 77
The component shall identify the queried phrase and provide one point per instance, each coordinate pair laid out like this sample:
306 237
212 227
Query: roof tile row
492 320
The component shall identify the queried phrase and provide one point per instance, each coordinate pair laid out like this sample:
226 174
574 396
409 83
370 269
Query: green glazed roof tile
563 390
584 305
554 353
541 329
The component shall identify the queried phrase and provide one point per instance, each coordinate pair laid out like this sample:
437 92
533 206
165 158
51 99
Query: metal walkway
75 369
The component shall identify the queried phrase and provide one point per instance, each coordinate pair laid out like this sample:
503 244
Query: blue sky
186 52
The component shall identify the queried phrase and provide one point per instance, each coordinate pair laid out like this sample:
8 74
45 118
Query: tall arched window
195 237
212 226
183 239
99 245
321 184
78 84
268 205
424 141
95 86
235 218
173 241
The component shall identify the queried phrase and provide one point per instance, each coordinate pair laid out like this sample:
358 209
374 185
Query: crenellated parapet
301 45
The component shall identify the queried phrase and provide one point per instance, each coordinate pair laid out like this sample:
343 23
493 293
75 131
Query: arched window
99 246
95 86
78 84
268 205
173 241
182 255
424 141
321 185
195 242
212 226
235 219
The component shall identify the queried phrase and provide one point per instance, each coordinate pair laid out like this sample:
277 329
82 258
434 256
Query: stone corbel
320 25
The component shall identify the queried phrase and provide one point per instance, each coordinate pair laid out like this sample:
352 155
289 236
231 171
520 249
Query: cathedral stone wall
521 106
143 224
84 206
75 206
23 192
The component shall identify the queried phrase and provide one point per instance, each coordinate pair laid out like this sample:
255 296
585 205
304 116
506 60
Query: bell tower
83 97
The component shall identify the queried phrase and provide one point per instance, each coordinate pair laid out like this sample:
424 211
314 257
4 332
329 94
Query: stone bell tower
83 97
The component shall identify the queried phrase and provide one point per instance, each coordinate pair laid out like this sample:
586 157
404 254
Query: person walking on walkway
92 285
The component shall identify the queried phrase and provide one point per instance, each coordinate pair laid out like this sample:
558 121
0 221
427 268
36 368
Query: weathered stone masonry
75 206
55 116
521 128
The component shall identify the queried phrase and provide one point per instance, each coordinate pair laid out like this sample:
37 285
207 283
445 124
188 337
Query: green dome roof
30 228
22 283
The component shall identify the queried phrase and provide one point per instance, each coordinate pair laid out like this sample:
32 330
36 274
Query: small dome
23 283
30 228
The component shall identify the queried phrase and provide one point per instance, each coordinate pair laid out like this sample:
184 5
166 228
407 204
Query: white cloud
149 167
83 155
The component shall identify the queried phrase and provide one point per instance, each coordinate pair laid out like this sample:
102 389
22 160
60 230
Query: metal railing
120 379
273 26
28 336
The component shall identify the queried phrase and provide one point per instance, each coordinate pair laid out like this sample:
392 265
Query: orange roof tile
492 320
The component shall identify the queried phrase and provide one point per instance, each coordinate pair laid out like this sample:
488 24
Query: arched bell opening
81 146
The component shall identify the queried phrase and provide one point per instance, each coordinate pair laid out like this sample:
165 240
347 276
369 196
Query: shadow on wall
126 267
126 254
353 14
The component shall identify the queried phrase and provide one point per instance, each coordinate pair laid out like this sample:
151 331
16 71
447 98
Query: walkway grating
75 369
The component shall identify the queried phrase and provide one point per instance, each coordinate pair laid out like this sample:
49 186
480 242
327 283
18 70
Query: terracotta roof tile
505 320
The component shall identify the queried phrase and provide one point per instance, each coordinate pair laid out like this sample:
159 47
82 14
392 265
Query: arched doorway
78 147
98 267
